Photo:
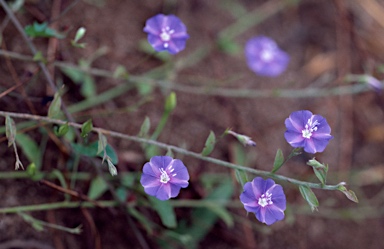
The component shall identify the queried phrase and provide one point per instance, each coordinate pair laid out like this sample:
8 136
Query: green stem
176 149
209 90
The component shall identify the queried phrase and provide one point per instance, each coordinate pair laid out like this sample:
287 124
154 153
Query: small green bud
170 102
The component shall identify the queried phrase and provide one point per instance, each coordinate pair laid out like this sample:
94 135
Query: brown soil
326 41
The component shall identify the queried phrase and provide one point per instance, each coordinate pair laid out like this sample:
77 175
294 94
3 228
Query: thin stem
209 90
175 149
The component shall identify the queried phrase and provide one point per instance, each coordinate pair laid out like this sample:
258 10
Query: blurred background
327 41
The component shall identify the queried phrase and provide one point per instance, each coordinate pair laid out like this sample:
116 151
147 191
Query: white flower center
309 128
265 199
165 34
266 55
164 178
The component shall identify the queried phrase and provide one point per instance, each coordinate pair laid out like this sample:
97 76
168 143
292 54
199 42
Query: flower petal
164 192
179 175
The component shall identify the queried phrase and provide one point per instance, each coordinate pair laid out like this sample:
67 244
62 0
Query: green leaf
165 210
10 130
144 129
229 46
319 169
209 144
241 177
41 30
309 196
97 188
62 130
30 149
279 161
101 144
91 151
54 110
86 128
349 194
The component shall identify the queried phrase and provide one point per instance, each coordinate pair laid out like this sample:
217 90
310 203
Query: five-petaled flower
264 57
163 177
265 199
307 130
166 33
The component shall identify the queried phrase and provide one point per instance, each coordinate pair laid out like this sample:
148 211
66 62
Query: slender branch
209 90
175 149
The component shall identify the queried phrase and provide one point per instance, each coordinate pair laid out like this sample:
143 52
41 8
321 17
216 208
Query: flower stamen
265 199
164 178
309 128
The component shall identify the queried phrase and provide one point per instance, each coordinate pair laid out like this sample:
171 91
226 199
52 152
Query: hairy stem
175 149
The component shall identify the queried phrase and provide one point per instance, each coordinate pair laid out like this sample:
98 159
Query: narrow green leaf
309 196
144 129
54 110
209 144
319 169
349 194
86 128
279 161
241 177
97 188
321 174
10 130
101 145
165 210
30 149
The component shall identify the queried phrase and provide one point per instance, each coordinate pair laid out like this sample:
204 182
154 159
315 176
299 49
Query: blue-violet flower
265 199
163 177
264 57
307 130
166 33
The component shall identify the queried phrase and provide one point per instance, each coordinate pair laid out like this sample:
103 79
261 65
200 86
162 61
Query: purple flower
307 130
264 57
163 177
166 33
264 198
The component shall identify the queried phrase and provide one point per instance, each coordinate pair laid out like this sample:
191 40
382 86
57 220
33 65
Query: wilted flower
264 198
166 33
244 140
264 57
307 130
163 177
